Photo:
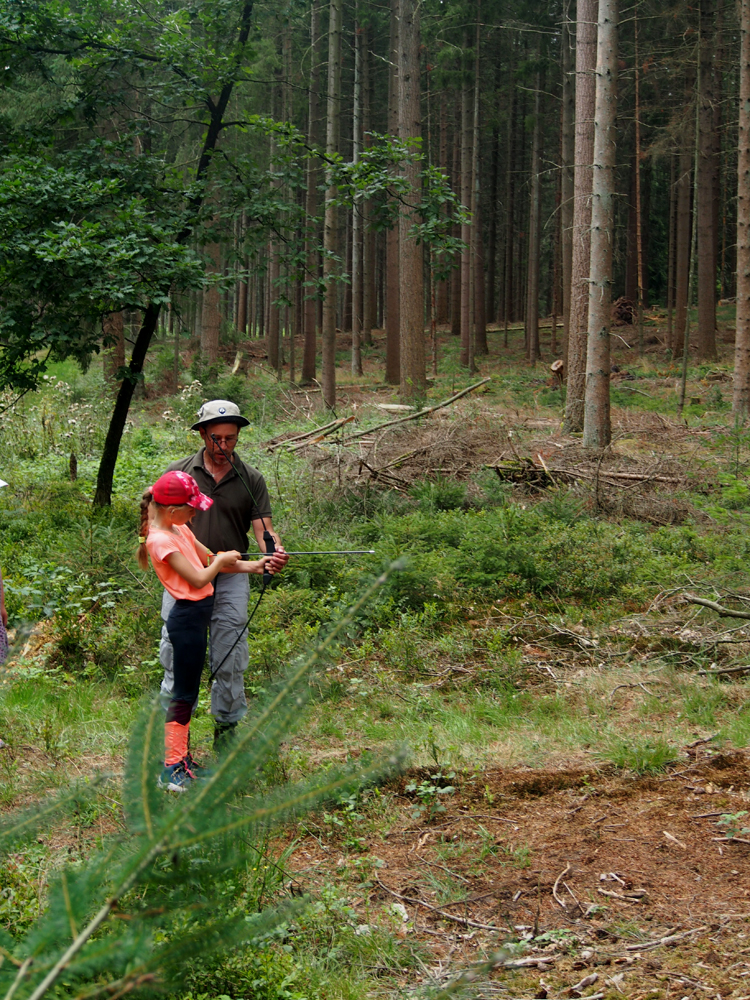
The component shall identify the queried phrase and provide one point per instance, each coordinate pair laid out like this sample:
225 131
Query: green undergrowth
468 655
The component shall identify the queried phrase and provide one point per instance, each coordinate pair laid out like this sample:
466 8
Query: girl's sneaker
176 777
197 770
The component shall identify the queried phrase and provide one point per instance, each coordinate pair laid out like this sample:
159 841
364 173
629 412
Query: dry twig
559 878
435 909
419 413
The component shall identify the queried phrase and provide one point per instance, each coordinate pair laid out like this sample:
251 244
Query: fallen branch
324 433
402 458
575 991
670 939
718 608
338 422
419 413
447 916
725 670
559 878
537 960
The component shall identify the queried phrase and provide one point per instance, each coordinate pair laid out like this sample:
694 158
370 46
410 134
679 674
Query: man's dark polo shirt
225 525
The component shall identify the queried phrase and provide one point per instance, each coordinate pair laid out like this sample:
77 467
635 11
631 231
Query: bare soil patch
590 868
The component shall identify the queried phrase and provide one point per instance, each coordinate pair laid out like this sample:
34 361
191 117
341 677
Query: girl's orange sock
175 742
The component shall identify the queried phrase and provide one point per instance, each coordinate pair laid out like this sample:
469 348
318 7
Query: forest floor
576 829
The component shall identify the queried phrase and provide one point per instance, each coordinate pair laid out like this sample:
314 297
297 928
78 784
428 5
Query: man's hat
219 411
179 488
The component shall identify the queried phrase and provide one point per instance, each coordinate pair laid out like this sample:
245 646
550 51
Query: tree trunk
741 395
480 292
392 282
368 233
357 271
706 333
442 288
568 162
586 15
457 230
311 201
490 298
638 199
242 284
670 252
113 327
478 342
411 298
532 276
211 315
509 214
597 431
330 233
682 245
466 227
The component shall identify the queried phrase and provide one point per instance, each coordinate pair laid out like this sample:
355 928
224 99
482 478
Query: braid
142 554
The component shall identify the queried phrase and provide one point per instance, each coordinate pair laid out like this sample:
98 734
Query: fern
136 912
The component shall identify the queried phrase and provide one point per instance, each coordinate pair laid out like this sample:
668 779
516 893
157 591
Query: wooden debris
724 670
420 413
674 839
531 960
558 898
317 434
435 909
718 608
669 939
575 991
523 471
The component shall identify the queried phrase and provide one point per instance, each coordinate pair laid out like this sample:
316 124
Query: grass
458 658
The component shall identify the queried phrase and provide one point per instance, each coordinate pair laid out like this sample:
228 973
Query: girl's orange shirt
160 544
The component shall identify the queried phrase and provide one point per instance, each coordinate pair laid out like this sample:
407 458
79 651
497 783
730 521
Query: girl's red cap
179 488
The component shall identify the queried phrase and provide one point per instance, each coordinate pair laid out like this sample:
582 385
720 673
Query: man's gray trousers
232 593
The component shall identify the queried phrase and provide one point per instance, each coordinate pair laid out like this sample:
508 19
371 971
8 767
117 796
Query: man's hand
278 560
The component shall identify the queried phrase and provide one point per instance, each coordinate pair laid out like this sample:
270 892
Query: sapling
137 912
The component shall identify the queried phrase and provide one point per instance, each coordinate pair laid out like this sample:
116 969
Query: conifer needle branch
68 905
96 922
179 817
19 976
304 798
271 708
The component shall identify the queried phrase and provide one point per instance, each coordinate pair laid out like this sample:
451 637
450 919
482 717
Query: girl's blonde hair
147 499
141 553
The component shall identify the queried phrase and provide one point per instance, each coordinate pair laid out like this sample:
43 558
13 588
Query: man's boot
224 733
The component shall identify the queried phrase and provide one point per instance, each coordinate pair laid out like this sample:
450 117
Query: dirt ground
628 881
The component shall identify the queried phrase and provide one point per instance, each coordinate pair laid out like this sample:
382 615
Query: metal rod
323 552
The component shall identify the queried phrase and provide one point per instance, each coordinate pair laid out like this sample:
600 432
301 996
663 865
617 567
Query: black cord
239 635
270 549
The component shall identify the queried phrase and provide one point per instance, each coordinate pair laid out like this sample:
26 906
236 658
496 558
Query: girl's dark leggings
187 626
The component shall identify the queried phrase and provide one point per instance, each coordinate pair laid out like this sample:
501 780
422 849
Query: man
240 502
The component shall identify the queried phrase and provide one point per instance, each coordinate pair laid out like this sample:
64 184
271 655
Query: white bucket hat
218 411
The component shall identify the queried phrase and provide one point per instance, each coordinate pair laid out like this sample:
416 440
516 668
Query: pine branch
163 827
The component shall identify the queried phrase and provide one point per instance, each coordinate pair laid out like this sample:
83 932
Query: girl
186 569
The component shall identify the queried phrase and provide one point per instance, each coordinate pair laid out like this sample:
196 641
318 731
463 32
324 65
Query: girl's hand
226 559
4 616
